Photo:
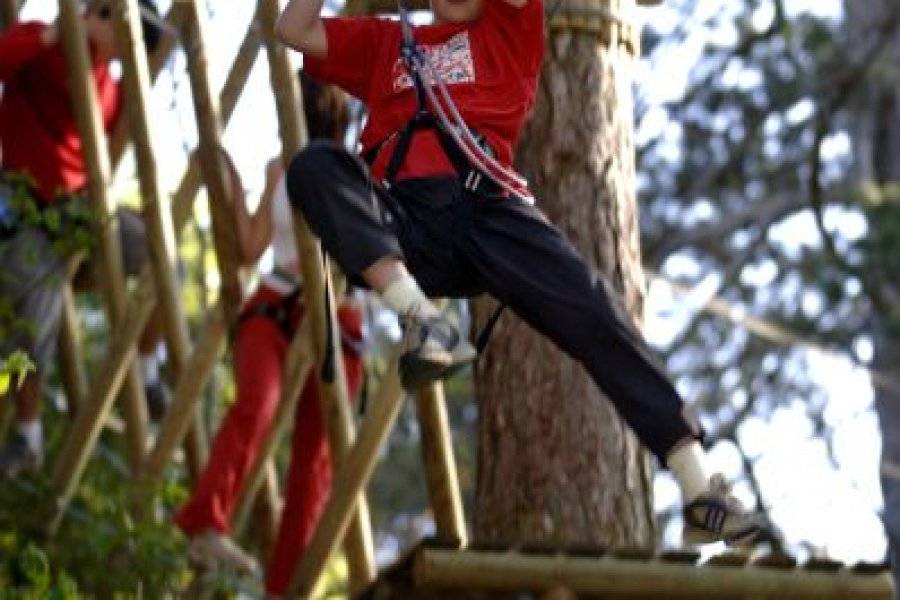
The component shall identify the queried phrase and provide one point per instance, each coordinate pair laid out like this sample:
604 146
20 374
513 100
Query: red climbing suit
259 355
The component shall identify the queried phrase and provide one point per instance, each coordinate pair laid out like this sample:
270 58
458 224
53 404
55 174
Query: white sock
150 367
406 297
32 432
687 462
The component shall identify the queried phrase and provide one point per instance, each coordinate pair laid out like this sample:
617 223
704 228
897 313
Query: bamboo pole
448 569
267 512
355 473
298 365
81 440
71 365
9 13
120 136
212 166
183 410
155 203
440 465
72 458
217 183
90 125
334 396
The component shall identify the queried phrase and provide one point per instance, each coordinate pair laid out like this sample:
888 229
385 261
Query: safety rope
426 81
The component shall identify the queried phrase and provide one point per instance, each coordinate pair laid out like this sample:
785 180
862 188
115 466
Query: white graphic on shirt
451 61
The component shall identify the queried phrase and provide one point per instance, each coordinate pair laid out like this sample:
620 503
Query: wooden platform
434 571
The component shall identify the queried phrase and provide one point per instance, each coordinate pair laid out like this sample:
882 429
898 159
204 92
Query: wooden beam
155 202
121 133
9 13
334 396
82 438
440 465
71 364
212 165
620 578
183 410
73 456
108 252
349 482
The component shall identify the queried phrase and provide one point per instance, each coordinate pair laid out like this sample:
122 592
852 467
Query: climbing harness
471 156
280 311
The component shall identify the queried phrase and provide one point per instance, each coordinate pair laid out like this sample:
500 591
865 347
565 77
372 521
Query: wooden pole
72 458
9 13
349 482
334 396
120 136
71 365
607 576
90 125
267 511
156 211
440 465
212 166
183 410
217 183
80 441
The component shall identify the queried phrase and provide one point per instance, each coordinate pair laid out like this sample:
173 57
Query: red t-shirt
490 65
38 132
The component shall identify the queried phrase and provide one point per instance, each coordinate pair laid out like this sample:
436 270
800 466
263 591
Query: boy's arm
21 43
301 27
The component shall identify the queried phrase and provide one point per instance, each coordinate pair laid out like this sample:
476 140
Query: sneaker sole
415 372
693 536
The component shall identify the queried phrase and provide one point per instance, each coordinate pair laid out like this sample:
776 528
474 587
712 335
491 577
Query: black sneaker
717 516
158 400
17 457
433 349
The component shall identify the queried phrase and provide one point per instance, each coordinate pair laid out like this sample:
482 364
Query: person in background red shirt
264 331
434 215
43 167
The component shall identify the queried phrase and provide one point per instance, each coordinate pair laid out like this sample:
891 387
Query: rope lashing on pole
613 21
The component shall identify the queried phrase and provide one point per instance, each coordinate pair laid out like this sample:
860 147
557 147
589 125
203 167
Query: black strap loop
486 331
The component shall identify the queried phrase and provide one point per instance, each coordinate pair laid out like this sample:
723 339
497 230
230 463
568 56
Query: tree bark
556 462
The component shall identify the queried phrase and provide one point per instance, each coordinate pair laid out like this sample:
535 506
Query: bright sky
799 483
835 511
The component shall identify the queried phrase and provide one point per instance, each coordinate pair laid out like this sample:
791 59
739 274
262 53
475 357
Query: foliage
102 543
70 222
755 188
13 370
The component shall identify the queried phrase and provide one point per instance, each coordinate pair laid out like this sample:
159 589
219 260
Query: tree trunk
556 462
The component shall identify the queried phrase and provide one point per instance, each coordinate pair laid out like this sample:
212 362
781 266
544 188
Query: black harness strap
471 179
280 312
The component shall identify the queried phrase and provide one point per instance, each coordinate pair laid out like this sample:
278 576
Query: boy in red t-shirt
41 160
426 218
